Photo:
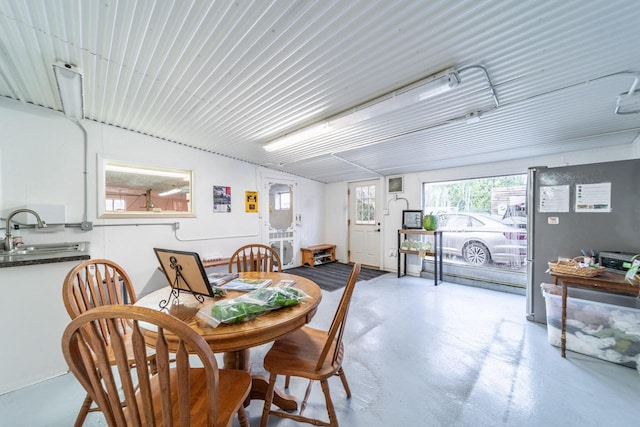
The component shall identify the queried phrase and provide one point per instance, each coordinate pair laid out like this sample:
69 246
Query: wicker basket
572 268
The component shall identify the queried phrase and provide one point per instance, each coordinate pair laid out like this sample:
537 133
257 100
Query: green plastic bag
252 304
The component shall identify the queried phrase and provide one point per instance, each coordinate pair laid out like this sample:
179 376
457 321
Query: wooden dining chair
255 257
313 354
188 392
94 283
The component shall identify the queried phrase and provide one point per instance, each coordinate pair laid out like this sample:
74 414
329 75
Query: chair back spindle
255 257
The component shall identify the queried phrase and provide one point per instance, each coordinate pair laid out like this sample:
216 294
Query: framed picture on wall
411 219
395 184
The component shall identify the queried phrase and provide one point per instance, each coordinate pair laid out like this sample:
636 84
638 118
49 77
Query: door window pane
283 201
366 204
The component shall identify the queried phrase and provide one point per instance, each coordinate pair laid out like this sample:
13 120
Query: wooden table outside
607 282
235 340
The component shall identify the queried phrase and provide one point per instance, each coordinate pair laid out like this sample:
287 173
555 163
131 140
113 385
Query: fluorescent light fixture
290 122
409 95
170 192
296 137
142 171
69 81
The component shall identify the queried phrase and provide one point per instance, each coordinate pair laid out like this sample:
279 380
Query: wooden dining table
236 340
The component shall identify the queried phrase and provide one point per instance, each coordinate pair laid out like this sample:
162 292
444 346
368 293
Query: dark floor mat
334 275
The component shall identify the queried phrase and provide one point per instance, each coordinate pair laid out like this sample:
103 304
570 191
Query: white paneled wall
42 162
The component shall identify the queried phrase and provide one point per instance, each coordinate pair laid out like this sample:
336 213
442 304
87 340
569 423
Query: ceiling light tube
401 98
296 137
69 82
143 171
170 192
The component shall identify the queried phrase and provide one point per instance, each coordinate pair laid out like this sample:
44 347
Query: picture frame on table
184 271
412 219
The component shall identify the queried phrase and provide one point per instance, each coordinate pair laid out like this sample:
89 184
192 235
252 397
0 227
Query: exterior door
364 222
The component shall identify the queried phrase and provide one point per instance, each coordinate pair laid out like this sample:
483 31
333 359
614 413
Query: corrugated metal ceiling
230 76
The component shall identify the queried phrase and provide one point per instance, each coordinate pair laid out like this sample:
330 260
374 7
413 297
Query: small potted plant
633 273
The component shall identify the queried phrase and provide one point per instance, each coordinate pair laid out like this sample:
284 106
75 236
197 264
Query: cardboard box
608 332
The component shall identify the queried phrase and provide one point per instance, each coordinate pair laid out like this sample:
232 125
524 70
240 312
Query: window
283 201
130 190
366 204
483 221
496 196
114 205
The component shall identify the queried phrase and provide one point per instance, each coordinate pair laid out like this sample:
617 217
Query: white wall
42 162
336 211
337 207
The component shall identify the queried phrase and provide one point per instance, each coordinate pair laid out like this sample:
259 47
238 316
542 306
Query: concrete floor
419 355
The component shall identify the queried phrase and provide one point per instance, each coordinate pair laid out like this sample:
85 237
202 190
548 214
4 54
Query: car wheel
475 253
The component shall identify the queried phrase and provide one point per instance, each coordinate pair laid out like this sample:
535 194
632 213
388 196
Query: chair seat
233 387
297 353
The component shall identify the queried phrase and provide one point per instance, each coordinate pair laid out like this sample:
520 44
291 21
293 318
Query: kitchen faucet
8 239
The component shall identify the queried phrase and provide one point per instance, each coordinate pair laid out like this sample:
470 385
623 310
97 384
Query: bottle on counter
17 238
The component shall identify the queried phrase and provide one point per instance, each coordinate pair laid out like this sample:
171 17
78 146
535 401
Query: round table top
240 336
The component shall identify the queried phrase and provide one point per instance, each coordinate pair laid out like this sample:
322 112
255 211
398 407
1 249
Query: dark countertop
45 254
35 261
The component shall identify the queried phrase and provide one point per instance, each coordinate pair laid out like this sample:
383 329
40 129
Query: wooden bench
318 254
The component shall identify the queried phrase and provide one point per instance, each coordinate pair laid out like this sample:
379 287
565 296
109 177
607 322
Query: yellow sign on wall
251 201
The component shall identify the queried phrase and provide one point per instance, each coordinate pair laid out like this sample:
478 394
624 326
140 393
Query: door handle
378 230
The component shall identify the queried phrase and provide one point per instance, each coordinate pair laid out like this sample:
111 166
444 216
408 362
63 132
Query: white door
364 222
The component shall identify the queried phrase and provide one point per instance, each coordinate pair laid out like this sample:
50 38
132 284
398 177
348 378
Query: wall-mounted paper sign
554 198
251 201
593 197
221 198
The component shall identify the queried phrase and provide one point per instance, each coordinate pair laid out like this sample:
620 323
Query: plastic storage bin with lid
608 332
